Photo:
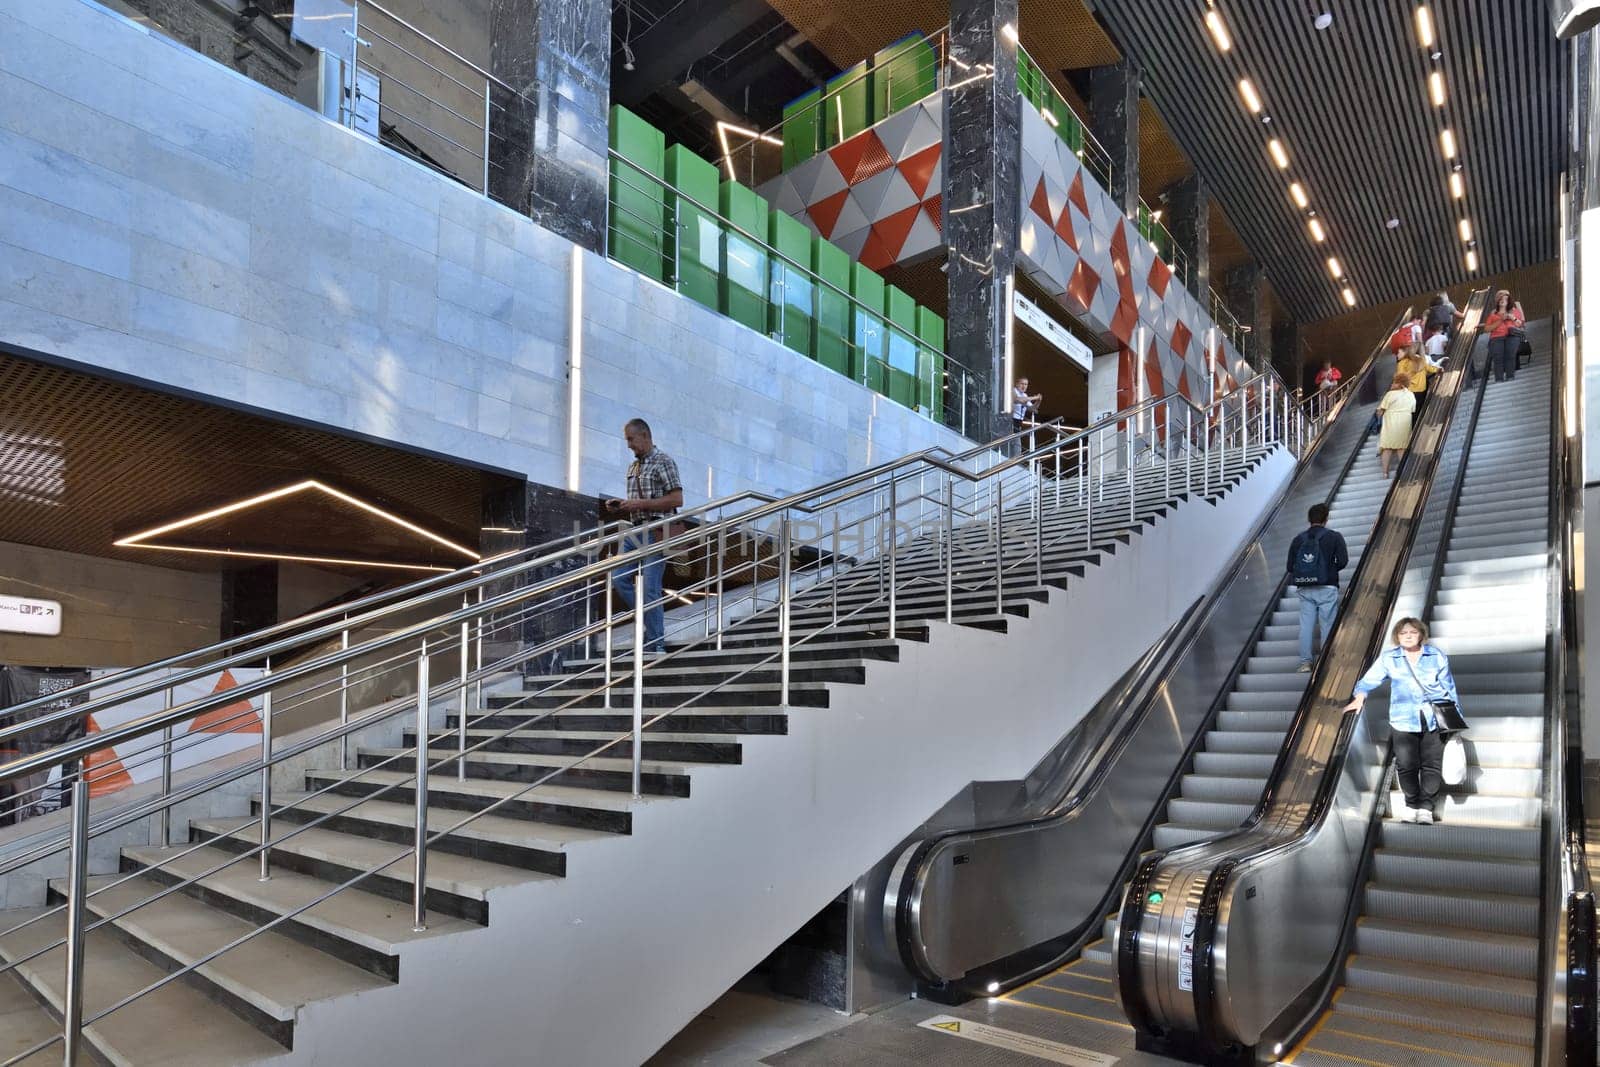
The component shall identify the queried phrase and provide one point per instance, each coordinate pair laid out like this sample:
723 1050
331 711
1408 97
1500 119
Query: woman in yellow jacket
1416 369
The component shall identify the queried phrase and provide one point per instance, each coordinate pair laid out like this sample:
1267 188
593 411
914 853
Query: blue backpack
1311 563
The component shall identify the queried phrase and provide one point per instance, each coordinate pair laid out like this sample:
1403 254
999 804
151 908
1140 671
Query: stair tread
496 789
490 828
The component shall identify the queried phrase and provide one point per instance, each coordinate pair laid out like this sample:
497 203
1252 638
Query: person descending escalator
1423 705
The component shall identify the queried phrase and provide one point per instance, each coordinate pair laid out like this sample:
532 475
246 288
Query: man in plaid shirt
654 492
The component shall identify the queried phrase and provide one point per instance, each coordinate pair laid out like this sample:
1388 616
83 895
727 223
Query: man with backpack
1316 556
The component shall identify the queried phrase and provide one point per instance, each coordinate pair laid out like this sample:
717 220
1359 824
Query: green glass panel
802 128
791 306
832 342
902 74
930 361
694 236
744 256
868 334
638 197
847 104
902 343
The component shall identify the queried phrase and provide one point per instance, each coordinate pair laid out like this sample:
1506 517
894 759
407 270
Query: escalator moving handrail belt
1193 880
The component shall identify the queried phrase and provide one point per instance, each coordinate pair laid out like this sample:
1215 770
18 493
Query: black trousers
1418 757
1503 357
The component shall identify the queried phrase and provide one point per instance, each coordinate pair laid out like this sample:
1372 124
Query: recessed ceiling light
1349 296
1447 142
1318 234
1219 30
1279 156
1472 261
1334 267
1436 88
1251 99
1323 21
1465 227
1297 193
1458 186
1424 26
1393 224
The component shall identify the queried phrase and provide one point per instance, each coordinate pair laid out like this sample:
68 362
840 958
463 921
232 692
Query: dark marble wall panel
528 515
1244 291
1114 120
982 160
549 130
1188 217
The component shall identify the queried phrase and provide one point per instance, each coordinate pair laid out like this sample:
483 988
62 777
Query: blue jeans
1503 357
655 614
1317 604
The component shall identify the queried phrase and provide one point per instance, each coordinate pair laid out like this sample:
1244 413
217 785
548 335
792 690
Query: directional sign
23 615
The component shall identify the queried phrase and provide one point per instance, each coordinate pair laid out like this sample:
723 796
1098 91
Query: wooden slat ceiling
85 460
1351 105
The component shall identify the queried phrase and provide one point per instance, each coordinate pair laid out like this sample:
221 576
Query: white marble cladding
164 217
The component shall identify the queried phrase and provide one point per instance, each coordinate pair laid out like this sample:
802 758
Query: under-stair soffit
1351 104
85 460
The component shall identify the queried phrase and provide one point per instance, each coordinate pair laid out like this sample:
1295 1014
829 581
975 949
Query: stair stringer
604 966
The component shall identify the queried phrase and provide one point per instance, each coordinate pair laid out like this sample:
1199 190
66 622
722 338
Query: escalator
1180 757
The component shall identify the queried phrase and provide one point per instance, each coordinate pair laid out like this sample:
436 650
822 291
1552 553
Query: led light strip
1428 38
139 540
1253 101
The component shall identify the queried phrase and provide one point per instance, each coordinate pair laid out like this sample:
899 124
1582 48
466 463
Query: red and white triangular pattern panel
879 196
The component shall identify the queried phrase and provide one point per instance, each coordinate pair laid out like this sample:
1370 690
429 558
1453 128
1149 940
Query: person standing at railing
1504 323
654 492
1023 406
1316 556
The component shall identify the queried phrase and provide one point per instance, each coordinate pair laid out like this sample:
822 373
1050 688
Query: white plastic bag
1453 768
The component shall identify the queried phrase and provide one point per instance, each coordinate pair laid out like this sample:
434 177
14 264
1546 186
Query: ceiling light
1393 224
1424 26
1349 296
1219 30
1334 268
1009 32
1318 234
1472 261
1436 88
1297 192
1323 21
1466 229
1458 186
1279 156
1251 100
1447 142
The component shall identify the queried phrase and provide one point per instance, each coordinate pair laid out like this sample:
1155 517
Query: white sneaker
1423 817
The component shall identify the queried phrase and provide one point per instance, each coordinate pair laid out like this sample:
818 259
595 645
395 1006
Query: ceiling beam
691 32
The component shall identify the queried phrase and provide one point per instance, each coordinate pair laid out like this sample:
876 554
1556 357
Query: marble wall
169 219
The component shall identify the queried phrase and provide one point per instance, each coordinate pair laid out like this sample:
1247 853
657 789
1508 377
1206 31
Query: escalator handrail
1128 709
1223 854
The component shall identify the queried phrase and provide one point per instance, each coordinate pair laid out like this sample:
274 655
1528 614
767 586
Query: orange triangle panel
103 770
825 212
230 718
891 233
918 169
1040 204
1076 195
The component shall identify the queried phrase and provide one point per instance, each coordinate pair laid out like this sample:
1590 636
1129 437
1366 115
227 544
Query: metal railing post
1083 467
894 546
1164 427
466 669
77 930
265 821
419 867
949 548
488 93
605 643
344 698
1038 536
999 547
784 599
477 650
638 673
1132 510
836 569
1188 449
722 562
1088 502
166 777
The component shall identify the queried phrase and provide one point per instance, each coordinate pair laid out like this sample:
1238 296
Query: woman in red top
1328 377
1504 324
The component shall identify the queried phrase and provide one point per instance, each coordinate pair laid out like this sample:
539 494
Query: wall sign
1034 317
22 615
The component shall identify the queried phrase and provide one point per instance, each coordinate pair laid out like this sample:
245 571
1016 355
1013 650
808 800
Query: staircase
1444 967
252 967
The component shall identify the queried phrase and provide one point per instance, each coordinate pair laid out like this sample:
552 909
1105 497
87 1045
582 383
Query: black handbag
1447 715
1376 424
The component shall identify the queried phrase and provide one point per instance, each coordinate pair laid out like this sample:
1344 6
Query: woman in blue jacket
1419 674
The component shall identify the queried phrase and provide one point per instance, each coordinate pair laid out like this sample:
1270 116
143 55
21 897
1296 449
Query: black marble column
1287 353
548 120
1114 121
982 164
527 515
1244 291
1188 217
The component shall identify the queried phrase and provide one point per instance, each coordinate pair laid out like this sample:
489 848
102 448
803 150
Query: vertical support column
982 172
1288 357
1244 291
549 129
1114 121
1188 217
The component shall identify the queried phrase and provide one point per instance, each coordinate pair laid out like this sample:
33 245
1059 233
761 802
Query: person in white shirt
1022 404
1433 348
